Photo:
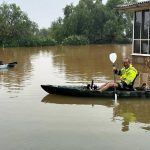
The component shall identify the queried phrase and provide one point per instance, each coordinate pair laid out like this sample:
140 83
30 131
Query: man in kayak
127 75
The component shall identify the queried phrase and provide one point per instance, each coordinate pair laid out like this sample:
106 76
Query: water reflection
69 64
133 111
15 79
72 122
85 63
57 65
58 99
128 111
61 65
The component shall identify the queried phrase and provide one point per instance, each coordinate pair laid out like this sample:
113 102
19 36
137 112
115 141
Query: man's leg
108 85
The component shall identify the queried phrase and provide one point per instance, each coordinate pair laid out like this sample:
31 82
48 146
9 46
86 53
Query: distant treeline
89 22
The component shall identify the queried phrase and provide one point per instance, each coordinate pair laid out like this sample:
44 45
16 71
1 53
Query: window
144 47
145 24
141 39
149 24
137 25
136 46
149 46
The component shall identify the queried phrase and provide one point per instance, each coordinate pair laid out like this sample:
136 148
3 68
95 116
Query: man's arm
116 71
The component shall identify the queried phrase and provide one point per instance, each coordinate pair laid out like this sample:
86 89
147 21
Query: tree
56 30
68 10
15 27
90 19
119 25
95 21
86 19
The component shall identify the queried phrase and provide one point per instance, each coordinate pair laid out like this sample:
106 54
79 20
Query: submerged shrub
75 40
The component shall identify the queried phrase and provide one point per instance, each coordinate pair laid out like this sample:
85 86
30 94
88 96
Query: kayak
83 91
9 65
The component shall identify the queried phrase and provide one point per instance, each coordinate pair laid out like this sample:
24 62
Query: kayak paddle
113 58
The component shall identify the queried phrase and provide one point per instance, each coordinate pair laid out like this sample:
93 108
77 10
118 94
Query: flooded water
30 119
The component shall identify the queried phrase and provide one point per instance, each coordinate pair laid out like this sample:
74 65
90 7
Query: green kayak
83 91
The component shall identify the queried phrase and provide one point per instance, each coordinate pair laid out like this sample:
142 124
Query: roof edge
134 6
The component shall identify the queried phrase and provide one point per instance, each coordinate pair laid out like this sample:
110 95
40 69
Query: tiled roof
134 6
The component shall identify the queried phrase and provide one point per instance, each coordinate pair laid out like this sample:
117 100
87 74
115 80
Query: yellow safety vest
128 75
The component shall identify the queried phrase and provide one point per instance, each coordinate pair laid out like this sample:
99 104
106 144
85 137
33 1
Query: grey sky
43 12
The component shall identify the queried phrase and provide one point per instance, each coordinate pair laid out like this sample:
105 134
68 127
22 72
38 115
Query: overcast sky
43 12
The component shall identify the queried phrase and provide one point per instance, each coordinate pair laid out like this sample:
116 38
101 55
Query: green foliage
75 40
88 22
48 42
44 38
15 26
112 3
99 23
118 28
68 10
87 19
56 30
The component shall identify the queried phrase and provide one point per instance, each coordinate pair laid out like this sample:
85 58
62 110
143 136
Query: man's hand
114 69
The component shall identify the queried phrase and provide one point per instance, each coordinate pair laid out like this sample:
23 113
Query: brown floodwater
31 119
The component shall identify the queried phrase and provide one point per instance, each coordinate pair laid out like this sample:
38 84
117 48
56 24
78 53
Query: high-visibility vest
128 75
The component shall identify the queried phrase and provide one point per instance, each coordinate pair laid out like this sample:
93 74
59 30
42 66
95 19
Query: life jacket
128 75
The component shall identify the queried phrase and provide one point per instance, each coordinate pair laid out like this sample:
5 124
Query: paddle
113 58
92 84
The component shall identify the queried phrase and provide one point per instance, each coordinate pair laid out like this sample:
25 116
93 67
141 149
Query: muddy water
32 119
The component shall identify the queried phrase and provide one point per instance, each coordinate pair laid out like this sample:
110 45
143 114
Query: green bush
48 42
38 42
75 40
